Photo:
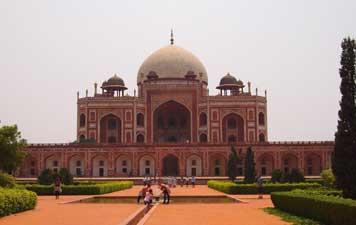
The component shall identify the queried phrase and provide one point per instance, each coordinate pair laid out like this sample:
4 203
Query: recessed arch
233 124
140 138
194 165
265 164
82 120
100 166
123 165
76 165
147 165
203 138
140 120
110 129
261 118
289 162
261 137
203 119
53 162
171 123
312 164
170 165
217 165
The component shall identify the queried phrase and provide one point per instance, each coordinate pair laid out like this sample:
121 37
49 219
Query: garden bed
81 188
233 188
325 208
16 200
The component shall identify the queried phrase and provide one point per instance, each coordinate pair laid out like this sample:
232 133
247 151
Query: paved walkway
54 212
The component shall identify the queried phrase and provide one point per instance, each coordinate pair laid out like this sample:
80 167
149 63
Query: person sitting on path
260 187
166 193
142 193
148 198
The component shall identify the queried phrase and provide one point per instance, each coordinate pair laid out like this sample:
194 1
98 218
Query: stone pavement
54 212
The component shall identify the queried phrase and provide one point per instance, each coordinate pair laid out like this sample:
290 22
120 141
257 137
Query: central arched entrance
170 165
171 123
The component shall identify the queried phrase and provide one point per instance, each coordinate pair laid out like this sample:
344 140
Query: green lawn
295 220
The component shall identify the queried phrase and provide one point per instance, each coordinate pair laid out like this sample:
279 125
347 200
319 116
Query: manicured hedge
16 200
327 209
82 189
233 188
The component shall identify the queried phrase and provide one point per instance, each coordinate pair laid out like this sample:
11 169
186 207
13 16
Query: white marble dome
172 62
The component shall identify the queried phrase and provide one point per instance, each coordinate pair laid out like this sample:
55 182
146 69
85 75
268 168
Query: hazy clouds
51 49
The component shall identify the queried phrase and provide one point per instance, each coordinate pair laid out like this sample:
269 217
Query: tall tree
250 170
11 148
344 155
232 164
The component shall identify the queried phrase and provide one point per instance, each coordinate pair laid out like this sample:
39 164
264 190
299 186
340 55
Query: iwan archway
171 123
170 165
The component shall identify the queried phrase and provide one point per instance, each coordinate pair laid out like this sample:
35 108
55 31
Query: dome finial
172 40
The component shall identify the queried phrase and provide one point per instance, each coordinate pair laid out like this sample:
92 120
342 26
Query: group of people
147 194
172 182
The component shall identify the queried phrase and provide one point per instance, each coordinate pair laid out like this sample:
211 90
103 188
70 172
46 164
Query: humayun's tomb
173 127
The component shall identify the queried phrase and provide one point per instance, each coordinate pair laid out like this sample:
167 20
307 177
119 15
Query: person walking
166 193
181 181
260 187
193 181
57 187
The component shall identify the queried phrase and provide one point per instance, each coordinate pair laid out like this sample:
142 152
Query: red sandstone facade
173 127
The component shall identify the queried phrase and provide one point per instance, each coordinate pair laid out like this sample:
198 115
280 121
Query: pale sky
51 49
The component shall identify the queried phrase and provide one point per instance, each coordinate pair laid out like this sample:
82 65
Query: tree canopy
344 155
232 164
11 148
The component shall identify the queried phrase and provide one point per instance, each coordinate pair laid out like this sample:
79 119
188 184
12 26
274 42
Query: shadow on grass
295 220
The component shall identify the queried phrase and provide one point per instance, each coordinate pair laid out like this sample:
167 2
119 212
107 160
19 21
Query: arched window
81 138
82 120
140 120
203 138
261 118
202 119
261 137
231 123
140 138
232 139
112 139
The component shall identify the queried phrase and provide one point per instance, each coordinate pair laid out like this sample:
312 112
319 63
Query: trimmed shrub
82 189
233 188
46 177
296 176
65 176
16 200
277 176
328 178
327 209
7 180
